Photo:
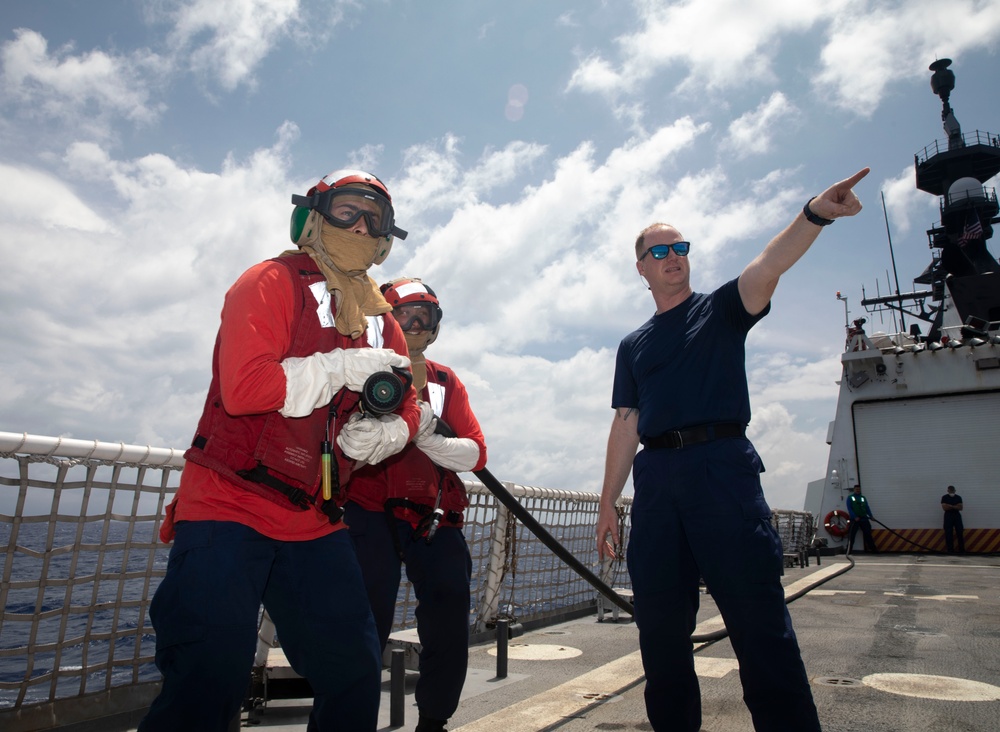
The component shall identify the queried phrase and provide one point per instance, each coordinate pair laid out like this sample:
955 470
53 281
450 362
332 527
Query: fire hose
524 516
542 534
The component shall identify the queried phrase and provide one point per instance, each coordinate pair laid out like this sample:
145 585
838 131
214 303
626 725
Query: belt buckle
679 438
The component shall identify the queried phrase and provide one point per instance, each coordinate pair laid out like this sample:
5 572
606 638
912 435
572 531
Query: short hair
951 487
641 239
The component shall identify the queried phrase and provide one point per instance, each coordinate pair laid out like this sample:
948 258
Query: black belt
694 435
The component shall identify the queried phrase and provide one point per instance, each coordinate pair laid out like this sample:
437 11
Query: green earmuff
300 215
382 251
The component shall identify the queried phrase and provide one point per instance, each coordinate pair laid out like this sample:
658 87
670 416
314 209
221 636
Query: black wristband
813 218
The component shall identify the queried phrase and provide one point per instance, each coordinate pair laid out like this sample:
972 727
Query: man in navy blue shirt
680 390
951 504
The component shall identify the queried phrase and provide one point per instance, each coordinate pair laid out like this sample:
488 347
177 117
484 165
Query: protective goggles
342 207
417 316
660 251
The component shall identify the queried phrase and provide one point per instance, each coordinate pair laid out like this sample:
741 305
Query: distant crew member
951 504
861 514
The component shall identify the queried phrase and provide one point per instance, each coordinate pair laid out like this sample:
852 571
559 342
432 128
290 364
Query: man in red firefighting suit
256 519
408 510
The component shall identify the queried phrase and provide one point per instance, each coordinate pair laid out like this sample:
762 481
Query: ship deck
896 642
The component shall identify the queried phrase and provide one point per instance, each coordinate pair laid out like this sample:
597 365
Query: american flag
973 229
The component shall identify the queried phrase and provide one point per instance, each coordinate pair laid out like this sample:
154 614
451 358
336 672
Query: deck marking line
813 577
932 597
714 668
826 593
567 700
929 565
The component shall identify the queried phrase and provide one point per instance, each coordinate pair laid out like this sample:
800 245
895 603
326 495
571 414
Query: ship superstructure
919 409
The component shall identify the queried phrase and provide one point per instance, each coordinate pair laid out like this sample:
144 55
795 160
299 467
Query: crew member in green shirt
861 512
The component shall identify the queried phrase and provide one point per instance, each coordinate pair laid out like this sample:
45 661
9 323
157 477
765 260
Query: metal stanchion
397 688
502 635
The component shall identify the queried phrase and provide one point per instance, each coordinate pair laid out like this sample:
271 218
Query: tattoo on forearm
624 414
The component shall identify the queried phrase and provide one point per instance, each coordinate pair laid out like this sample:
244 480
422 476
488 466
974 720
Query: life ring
837 523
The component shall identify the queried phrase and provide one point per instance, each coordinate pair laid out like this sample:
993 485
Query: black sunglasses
660 251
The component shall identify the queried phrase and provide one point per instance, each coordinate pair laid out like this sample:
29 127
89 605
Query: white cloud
753 133
716 46
86 89
35 197
906 205
539 415
568 20
240 34
119 320
792 456
719 44
561 235
498 168
594 74
539 288
366 158
783 377
881 42
434 182
485 29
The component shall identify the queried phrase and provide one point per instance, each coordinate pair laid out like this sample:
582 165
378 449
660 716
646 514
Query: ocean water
106 588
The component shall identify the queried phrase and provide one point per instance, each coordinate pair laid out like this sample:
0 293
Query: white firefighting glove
312 381
428 421
452 453
371 440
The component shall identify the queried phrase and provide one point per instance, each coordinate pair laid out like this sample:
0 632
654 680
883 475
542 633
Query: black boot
426 724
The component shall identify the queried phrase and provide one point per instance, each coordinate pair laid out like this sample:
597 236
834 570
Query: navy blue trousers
700 510
440 573
205 615
865 526
953 529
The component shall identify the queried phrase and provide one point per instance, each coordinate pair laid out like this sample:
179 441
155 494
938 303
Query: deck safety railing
969 139
79 525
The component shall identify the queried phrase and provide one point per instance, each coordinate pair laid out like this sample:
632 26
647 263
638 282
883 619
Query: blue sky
148 151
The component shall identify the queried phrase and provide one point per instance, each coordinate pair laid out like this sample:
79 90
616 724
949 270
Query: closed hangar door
910 450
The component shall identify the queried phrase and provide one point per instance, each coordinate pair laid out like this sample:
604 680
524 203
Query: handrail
79 521
79 524
976 137
23 443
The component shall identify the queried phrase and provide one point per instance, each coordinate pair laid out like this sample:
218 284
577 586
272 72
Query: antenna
892 256
847 321
895 323
878 296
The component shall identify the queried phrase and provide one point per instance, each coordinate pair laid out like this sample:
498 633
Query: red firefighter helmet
414 304
343 197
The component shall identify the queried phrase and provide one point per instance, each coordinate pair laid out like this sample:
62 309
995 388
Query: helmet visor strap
345 206
342 207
